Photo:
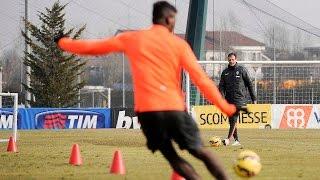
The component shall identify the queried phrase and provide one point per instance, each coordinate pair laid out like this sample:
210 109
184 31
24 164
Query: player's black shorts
162 126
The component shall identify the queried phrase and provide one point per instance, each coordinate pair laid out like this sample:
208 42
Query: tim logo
55 121
296 117
70 119
6 119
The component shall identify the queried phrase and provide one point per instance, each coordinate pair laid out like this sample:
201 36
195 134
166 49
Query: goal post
275 82
9 116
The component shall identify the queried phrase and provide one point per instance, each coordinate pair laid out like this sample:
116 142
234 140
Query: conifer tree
54 74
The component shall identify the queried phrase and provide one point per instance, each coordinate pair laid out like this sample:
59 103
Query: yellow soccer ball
247 164
215 141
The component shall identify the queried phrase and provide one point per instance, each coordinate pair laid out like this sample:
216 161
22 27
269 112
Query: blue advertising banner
54 118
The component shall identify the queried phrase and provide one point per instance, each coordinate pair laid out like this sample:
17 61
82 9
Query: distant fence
275 82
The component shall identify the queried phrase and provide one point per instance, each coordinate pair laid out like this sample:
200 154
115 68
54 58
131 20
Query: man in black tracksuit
233 85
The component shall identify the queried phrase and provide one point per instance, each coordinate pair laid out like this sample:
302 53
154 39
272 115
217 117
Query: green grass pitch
285 154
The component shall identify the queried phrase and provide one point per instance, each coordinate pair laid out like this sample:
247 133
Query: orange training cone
12 147
117 166
75 157
176 176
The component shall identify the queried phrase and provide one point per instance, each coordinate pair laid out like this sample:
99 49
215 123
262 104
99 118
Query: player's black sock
181 166
235 134
211 161
232 129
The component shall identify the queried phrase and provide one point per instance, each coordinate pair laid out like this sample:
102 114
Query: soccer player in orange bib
157 58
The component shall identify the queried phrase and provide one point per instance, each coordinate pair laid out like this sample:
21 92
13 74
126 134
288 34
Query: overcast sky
308 10
104 17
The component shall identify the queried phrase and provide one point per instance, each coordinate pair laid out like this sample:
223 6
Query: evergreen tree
54 74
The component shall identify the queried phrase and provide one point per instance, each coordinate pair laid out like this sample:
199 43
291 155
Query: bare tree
234 22
112 67
229 22
297 41
278 34
297 45
10 62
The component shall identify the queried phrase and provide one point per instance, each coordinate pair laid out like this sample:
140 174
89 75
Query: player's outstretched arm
204 83
91 47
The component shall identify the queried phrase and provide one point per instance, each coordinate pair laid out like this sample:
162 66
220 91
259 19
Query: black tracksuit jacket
234 83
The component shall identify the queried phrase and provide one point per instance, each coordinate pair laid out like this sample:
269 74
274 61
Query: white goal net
275 82
8 116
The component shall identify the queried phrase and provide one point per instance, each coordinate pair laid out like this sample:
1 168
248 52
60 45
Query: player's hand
59 36
242 108
254 102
